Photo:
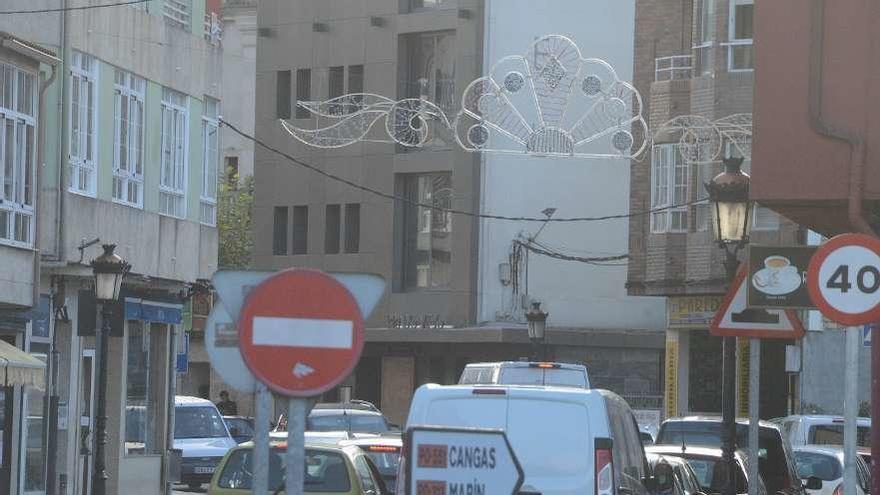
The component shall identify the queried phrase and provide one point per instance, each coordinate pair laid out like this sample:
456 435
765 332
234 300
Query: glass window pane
29 166
142 415
744 28
9 161
35 454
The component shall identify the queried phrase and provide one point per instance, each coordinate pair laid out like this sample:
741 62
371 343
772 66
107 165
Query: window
303 91
83 124
300 230
669 186
175 136
336 82
740 51
128 138
704 18
431 69
177 12
702 210
210 159
282 94
355 84
17 155
143 389
352 227
426 232
34 435
365 475
428 4
231 169
279 231
332 229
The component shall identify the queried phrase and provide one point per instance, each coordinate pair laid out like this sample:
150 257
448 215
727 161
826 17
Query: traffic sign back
301 332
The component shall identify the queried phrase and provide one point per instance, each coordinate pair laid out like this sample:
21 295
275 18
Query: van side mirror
813 483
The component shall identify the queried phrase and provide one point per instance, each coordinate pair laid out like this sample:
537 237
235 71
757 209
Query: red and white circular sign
301 332
844 279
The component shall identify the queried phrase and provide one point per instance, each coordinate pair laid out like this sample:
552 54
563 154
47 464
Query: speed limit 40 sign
844 279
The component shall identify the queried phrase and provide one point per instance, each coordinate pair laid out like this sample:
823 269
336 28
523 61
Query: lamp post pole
109 269
729 194
537 326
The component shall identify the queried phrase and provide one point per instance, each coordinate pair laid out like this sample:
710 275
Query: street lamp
729 196
537 325
109 269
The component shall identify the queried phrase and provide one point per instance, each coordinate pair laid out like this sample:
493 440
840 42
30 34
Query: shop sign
691 312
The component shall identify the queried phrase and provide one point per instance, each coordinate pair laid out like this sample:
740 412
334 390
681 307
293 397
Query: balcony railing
672 67
177 12
213 28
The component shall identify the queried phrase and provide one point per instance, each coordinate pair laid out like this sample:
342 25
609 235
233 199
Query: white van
201 434
562 436
525 373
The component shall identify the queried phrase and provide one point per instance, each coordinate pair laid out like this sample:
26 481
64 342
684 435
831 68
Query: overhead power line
67 9
453 211
594 260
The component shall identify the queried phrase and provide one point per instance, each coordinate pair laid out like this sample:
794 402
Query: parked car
673 475
385 453
525 373
646 435
775 463
329 469
201 434
707 464
240 427
821 469
562 436
816 429
353 417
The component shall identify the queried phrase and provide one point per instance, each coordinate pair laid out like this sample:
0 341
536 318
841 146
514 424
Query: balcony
672 67
213 28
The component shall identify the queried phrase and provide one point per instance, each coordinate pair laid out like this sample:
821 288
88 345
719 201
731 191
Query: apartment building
128 155
454 294
695 57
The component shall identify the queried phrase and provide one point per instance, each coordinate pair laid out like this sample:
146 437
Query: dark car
240 427
353 417
385 452
673 475
707 464
775 459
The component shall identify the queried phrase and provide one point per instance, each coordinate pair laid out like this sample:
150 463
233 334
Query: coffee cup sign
778 273
844 279
777 276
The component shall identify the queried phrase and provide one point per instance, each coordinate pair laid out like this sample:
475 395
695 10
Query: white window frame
129 179
665 159
174 168
210 163
733 42
83 168
20 175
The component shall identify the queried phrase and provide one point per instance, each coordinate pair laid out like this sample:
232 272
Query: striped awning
20 368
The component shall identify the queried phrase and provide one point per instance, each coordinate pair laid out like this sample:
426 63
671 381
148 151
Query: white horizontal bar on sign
302 332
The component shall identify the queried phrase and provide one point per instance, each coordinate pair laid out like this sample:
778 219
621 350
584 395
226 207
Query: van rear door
550 432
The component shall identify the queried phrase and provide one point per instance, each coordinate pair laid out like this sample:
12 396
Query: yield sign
735 319
301 332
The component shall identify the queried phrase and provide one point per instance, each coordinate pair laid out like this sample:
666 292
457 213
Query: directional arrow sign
221 344
735 319
451 461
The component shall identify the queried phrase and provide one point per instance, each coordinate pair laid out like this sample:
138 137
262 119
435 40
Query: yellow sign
742 366
671 378
691 312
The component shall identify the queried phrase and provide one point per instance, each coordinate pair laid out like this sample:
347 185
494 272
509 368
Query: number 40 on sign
844 279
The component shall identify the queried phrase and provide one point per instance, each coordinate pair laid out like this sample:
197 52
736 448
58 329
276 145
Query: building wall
239 61
576 294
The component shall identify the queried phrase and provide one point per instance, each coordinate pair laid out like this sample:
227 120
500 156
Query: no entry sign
844 279
301 332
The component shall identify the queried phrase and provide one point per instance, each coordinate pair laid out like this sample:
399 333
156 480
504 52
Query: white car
562 436
525 373
816 429
821 469
201 434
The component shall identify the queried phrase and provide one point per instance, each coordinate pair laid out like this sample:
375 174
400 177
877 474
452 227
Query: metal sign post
296 450
261 441
754 399
850 410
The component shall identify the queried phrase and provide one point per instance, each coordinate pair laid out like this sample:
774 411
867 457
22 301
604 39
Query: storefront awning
20 368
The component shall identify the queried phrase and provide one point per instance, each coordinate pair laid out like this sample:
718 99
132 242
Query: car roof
245 418
366 442
814 418
675 450
538 389
343 410
186 400
715 419
352 405
526 364
831 450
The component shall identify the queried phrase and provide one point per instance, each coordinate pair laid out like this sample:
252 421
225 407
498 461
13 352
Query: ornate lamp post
109 269
537 325
729 195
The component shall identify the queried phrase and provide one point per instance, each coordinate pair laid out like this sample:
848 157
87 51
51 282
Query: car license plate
203 470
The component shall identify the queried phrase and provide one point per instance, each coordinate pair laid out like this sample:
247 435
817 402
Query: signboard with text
452 461
777 276
691 312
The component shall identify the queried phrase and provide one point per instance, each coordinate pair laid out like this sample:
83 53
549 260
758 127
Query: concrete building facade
129 157
448 299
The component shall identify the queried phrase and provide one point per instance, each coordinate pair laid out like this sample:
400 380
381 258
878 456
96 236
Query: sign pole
261 441
296 439
850 409
754 398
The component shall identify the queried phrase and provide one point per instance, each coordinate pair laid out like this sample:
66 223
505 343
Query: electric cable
68 9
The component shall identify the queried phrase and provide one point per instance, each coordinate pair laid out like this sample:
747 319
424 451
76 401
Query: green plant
235 221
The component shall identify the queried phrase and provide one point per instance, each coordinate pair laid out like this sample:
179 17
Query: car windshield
198 422
355 423
823 466
833 435
325 471
710 473
241 426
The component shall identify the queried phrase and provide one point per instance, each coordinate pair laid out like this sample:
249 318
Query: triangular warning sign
735 319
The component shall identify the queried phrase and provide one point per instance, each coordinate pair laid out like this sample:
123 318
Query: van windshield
559 377
198 422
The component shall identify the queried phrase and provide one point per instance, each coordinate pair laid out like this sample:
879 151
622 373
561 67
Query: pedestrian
225 406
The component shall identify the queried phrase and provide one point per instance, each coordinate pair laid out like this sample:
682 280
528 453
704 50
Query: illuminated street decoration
549 101
705 141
